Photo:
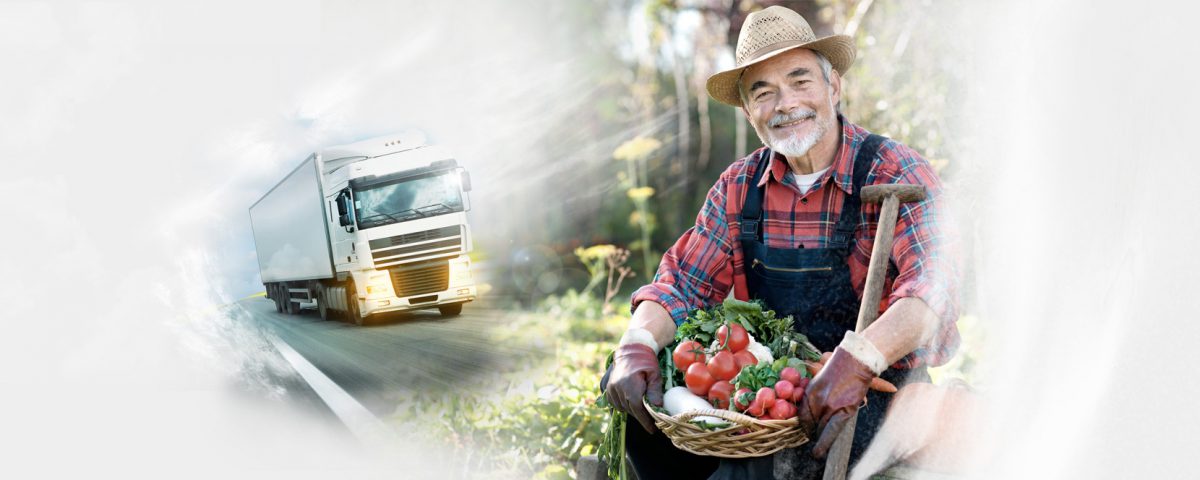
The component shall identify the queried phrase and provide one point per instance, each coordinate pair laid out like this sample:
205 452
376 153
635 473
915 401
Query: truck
365 228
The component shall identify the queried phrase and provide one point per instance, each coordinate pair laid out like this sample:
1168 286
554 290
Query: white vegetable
760 351
679 400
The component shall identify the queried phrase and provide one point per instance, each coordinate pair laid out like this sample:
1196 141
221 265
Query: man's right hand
634 374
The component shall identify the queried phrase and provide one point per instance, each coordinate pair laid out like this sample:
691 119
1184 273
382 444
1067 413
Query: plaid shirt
706 263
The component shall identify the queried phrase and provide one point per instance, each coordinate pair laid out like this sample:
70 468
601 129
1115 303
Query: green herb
612 446
755 377
777 334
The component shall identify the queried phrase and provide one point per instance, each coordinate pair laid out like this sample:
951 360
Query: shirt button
804 201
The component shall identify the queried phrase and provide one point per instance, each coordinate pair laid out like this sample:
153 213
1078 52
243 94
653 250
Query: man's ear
835 83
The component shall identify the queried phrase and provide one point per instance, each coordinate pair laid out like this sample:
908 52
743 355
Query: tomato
790 374
744 358
738 338
687 353
719 394
783 389
698 379
722 366
767 395
782 410
742 399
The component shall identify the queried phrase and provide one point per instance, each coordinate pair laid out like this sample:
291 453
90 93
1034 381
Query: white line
356 417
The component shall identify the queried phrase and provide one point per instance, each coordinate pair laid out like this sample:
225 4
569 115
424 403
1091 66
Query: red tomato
687 353
722 366
719 394
791 375
698 379
783 389
744 358
782 410
766 395
738 338
742 399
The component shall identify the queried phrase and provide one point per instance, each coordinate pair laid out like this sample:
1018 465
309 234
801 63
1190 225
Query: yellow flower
640 193
594 252
637 149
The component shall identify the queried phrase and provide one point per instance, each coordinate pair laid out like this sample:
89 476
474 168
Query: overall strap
751 216
843 233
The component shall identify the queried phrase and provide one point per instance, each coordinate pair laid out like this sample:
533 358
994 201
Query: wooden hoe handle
837 464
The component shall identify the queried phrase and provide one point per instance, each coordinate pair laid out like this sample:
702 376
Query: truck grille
421 278
419 246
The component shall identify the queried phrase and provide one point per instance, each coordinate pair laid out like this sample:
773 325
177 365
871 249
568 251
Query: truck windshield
407 199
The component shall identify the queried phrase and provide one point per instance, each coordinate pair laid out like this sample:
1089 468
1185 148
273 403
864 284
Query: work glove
833 397
635 373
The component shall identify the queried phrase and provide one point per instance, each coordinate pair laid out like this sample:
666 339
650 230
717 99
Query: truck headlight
379 283
460 271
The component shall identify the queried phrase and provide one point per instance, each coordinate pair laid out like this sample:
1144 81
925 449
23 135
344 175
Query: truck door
341 224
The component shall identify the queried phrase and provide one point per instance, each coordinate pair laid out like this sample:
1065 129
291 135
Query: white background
135 134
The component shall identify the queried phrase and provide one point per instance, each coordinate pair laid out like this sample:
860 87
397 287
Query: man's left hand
833 398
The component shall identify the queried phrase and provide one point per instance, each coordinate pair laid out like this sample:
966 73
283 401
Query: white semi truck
369 227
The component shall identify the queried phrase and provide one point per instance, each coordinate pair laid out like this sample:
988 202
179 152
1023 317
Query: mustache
780 119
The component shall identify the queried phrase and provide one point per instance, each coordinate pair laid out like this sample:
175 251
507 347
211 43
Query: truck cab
397 220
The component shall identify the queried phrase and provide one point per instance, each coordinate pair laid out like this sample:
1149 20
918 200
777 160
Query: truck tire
352 312
322 302
274 294
450 310
293 308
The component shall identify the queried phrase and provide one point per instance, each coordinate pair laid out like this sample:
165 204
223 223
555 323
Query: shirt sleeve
697 271
924 254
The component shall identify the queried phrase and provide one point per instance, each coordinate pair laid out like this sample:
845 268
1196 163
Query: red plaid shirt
706 263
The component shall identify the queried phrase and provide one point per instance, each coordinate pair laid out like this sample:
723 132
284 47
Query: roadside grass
535 419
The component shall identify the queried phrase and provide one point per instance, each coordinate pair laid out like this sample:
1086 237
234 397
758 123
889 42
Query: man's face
790 103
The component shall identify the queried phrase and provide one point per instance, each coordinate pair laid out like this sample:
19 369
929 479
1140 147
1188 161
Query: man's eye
762 95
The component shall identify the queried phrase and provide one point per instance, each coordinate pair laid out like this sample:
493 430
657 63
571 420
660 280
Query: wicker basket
760 437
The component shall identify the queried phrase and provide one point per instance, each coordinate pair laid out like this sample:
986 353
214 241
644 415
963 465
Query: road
395 354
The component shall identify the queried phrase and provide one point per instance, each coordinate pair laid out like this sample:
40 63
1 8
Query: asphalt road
395 354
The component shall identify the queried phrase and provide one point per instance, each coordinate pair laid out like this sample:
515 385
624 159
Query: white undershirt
807 182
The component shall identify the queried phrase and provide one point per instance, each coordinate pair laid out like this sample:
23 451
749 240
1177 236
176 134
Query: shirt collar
843 161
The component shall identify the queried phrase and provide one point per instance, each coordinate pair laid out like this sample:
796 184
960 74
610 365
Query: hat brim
839 49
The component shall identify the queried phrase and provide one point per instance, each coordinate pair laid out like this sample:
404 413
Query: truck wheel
322 302
293 308
275 297
352 312
450 310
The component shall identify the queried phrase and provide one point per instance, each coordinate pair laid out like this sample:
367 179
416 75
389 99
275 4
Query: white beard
792 145
796 146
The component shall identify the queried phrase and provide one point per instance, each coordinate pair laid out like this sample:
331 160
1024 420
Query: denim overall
813 286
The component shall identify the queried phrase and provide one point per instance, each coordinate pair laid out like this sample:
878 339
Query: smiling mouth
791 123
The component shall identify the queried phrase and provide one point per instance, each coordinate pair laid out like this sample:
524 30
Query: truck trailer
365 228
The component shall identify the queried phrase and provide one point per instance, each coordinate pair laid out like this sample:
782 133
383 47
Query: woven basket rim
764 437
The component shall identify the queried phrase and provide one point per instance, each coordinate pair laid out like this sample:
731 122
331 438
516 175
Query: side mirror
345 218
466 180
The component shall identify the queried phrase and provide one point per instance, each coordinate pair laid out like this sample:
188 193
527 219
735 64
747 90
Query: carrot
877 384
881 385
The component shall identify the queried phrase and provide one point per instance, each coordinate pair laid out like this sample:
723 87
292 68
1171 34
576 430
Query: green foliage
775 333
537 419
572 304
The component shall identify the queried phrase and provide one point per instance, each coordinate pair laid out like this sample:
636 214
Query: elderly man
786 225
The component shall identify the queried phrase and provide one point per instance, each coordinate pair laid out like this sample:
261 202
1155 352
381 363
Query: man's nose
788 101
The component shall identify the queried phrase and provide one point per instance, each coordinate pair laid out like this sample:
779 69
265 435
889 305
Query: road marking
361 422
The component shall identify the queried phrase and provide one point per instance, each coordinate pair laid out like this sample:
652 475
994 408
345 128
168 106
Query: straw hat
770 32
